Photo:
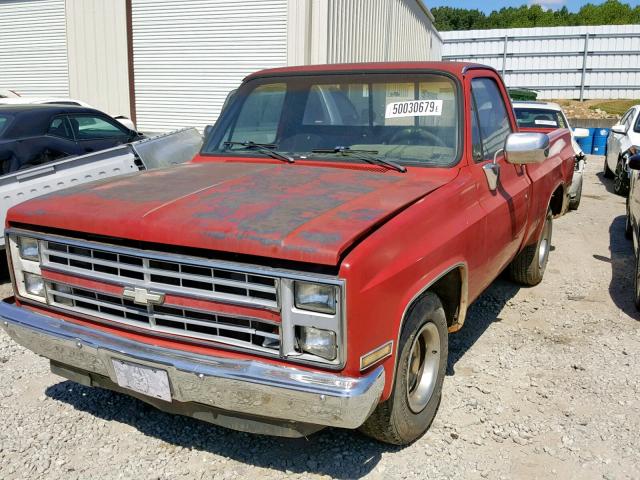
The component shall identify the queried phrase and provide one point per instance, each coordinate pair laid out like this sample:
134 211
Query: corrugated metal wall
552 61
379 30
98 61
33 47
188 55
364 31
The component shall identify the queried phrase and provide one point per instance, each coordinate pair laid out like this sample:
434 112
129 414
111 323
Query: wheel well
449 290
557 200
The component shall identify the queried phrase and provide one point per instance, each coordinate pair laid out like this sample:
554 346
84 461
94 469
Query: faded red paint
293 212
388 233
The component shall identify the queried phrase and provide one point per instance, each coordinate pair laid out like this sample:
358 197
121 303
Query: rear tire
417 389
607 171
529 266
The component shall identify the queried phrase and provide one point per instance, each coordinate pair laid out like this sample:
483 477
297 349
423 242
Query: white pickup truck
146 154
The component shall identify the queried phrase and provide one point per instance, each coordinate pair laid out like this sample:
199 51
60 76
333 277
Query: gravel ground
542 383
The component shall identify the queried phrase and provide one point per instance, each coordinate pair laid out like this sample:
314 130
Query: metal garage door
189 55
33 47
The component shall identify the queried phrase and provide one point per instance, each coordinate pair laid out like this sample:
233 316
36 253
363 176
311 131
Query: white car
18 100
622 141
545 117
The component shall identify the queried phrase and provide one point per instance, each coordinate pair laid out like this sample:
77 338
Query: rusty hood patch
293 212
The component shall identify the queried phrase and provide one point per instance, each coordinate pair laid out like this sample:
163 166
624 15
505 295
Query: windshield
402 118
4 121
539 118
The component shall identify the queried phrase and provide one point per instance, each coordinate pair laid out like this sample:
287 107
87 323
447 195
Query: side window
260 115
493 119
476 141
91 127
59 127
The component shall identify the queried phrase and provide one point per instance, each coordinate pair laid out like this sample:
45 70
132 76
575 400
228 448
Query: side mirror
619 129
207 130
523 148
634 162
581 133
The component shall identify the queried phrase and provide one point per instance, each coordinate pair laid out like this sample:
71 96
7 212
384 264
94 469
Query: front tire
421 366
628 233
621 180
574 202
607 171
529 265
636 281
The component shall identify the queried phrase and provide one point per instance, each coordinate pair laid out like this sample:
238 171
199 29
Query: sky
572 5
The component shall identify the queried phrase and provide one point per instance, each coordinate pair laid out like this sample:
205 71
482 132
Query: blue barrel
586 144
600 141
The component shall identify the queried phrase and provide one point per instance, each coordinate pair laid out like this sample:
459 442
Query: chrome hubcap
422 367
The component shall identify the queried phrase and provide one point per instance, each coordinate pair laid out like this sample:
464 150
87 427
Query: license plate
142 379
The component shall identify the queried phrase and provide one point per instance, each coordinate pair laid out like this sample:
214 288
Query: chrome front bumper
237 389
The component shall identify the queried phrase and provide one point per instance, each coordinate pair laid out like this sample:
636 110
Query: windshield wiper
366 155
267 148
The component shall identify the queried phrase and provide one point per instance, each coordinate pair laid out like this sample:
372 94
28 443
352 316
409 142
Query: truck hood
293 212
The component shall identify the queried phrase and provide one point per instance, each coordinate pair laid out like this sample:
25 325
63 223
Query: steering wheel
411 136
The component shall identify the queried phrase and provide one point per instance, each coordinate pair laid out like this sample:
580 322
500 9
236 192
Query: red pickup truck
306 268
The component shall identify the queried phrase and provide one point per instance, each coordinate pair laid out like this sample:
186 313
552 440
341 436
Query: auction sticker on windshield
414 108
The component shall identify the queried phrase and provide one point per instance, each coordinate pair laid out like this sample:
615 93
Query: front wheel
574 202
621 179
529 265
628 232
636 280
417 389
607 171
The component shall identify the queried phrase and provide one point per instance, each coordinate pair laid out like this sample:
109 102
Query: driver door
506 206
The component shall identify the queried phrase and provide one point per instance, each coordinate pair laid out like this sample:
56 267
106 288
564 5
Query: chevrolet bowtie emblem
142 296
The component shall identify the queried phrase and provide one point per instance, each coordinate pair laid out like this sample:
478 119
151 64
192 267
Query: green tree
610 12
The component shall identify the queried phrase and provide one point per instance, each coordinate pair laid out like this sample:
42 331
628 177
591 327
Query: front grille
166 273
251 333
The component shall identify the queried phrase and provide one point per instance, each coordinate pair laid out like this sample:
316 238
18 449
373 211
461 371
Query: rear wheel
607 171
529 266
621 179
417 389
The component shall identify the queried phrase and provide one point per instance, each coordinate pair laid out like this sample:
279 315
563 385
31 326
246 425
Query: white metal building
171 63
560 62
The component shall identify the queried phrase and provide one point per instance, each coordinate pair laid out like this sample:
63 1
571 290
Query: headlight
29 249
318 342
315 297
34 284
25 260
